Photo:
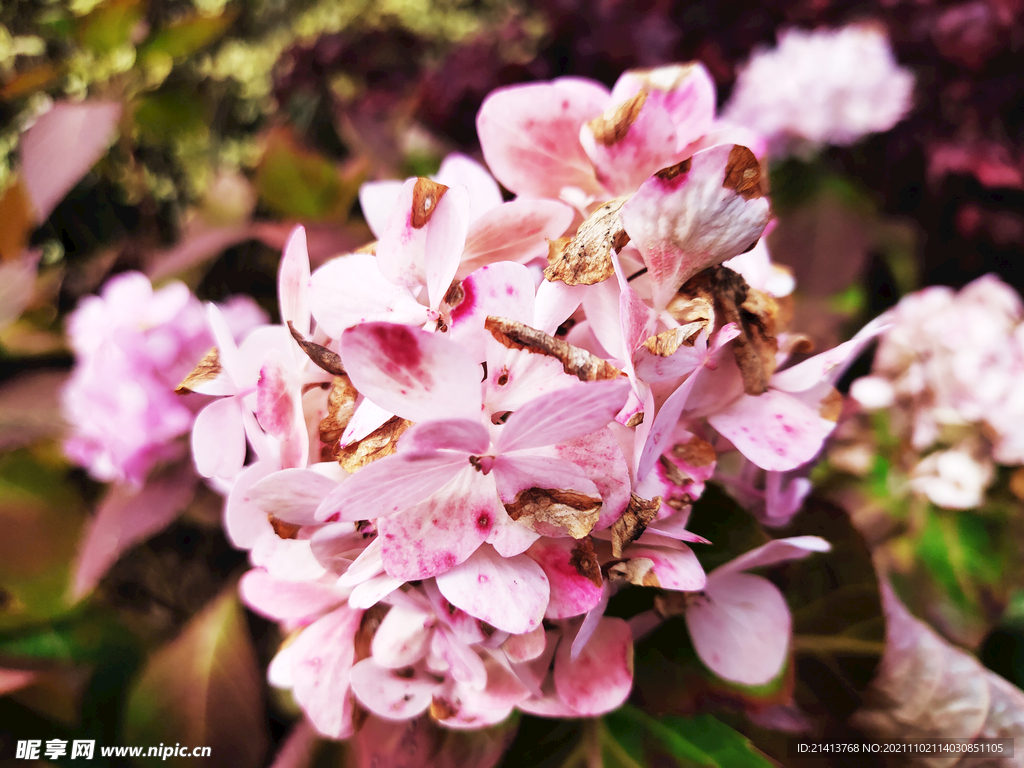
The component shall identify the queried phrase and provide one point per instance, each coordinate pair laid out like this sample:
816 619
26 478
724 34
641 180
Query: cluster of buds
947 375
468 435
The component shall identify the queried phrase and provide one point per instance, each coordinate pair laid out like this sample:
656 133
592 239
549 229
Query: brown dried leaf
322 356
667 342
635 518
575 361
442 709
639 571
696 452
368 625
753 311
382 442
426 194
743 173
282 529
208 369
584 559
555 513
586 258
611 130
341 404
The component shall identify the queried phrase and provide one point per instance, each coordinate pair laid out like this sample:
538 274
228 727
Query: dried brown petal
586 258
667 342
627 529
322 356
442 709
207 370
831 406
611 130
639 571
753 311
282 529
382 442
370 248
554 512
635 420
367 629
426 194
696 452
693 307
680 168
584 559
575 361
341 404
743 173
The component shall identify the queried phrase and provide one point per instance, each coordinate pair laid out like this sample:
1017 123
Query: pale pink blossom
822 87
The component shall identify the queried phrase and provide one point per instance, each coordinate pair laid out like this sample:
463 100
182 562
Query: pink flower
822 87
133 346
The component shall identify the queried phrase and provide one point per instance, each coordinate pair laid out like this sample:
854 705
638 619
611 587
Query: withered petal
575 361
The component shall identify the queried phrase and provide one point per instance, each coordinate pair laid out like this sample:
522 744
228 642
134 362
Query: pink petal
286 559
390 485
510 594
372 591
377 200
740 628
15 679
441 532
218 439
664 423
648 145
336 545
509 537
685 91
279 410
674 568
600 678
464 663
515 231
572 593
563 415
296 602
227 350
591 622
417 375
777 551
514 377
323 655
388 695
368 564
600 457
776 431
529 135
293 282
685 223
484 192
503 290
401 638
61 147
244 522
525 647
350 290
555 303
447 231
514 473
461 435
829 365
292 495
125 517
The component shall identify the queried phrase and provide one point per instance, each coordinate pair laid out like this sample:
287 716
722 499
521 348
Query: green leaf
78 637
203 688
186 36
299 183
169 114
109 26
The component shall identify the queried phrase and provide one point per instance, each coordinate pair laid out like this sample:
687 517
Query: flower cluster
132 346
948 373
822 87
463 449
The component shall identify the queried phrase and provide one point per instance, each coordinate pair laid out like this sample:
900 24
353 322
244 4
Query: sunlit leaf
109 26
203 688
186 36
298 183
